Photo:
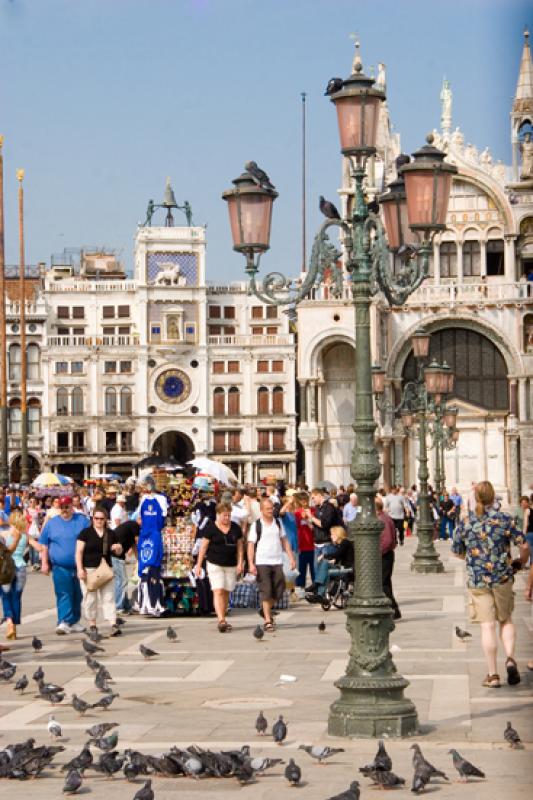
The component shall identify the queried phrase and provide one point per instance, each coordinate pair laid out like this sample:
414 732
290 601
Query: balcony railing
478 293
92 341
67 285
248 340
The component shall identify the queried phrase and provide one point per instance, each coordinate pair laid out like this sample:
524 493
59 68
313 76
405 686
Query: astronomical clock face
173 386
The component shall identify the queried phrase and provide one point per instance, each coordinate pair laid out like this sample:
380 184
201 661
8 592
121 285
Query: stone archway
174 443
33 468
338 409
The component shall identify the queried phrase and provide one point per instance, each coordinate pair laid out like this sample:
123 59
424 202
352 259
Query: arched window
62 402
448 260
262 400
219 402
76 401
15 418
110 402
33 362
14 362
479 367
277 400
34 417
233 401
126 402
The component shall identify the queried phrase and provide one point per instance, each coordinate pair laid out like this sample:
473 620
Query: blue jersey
152 519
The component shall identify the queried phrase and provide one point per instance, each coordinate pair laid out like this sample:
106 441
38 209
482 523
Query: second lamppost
371 701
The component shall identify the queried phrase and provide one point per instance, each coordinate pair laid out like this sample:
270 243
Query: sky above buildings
100 100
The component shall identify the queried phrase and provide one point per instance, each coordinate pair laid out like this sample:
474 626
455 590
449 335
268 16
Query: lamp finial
357 65
20 175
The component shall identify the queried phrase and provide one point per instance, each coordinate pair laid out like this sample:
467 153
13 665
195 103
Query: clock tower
170 277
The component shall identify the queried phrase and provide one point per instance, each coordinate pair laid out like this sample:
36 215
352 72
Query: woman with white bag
95 546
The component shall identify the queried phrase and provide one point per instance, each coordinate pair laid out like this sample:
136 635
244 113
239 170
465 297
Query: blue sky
100 100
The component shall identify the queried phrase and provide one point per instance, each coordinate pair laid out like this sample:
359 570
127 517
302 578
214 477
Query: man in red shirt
387 545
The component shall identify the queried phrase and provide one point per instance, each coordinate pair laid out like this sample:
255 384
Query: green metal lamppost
371 701
424 401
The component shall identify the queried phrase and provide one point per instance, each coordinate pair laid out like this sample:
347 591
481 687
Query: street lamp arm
276 289
408 400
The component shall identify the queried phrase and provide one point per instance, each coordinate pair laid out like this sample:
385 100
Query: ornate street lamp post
371 701
425 402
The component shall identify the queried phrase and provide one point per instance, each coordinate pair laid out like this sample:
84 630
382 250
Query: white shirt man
394 504
118 512
239 512
265 558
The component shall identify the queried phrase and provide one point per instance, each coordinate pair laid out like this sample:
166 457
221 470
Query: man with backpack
266 543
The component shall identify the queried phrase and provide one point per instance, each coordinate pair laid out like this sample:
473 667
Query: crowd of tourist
97 543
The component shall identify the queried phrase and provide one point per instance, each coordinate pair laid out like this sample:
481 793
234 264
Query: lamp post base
372 707
427 562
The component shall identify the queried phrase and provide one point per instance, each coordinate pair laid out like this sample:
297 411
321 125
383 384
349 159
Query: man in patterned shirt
485 540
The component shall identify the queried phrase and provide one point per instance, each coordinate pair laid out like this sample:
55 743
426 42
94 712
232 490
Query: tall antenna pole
4 475
304 198
24 474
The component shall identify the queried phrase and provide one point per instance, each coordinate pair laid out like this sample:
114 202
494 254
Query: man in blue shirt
58 555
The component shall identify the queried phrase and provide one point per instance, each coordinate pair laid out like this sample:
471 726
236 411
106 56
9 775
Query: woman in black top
223 549
89 554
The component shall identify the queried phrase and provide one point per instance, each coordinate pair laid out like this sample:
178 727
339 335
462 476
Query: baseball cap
65 502
121 498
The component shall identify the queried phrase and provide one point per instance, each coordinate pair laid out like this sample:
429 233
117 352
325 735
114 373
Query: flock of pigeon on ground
25 760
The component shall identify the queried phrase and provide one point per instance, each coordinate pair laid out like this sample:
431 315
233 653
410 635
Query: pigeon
130 771
47 689
320 753
21 684
293 773
244 773
94 636
146 792
105 743
382 759
322 626
464 767
38 675
36 644
54 728
80 705
258 633
105 701
260 177
100 681
461 634
334 86
261 724
56 697
81 762
419 760
349 794
100 729
384 778
146 652
172 636
509 734
7 674
92 663
421 777
279 730
91 648
109 763
5 664
262 764
73 781
328 209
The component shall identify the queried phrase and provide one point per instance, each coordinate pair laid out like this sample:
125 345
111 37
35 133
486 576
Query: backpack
7 566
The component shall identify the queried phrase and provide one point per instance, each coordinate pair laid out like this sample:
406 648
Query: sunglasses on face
100 518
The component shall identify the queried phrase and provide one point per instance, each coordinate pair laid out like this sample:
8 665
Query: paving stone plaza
207 689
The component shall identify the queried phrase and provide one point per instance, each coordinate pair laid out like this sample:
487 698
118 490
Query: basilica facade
166 362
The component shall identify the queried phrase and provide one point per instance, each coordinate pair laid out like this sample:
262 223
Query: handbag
102 574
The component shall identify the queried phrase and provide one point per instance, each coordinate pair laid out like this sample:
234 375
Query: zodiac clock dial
173 386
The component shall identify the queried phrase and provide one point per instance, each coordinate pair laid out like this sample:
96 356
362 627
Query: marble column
303 402
386 469
398 458
514 468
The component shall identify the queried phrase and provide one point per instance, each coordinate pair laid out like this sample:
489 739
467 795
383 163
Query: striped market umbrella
49 480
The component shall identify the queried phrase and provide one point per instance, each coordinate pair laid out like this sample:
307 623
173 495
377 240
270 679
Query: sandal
492 681
513 676
222 627
269 627
229 627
